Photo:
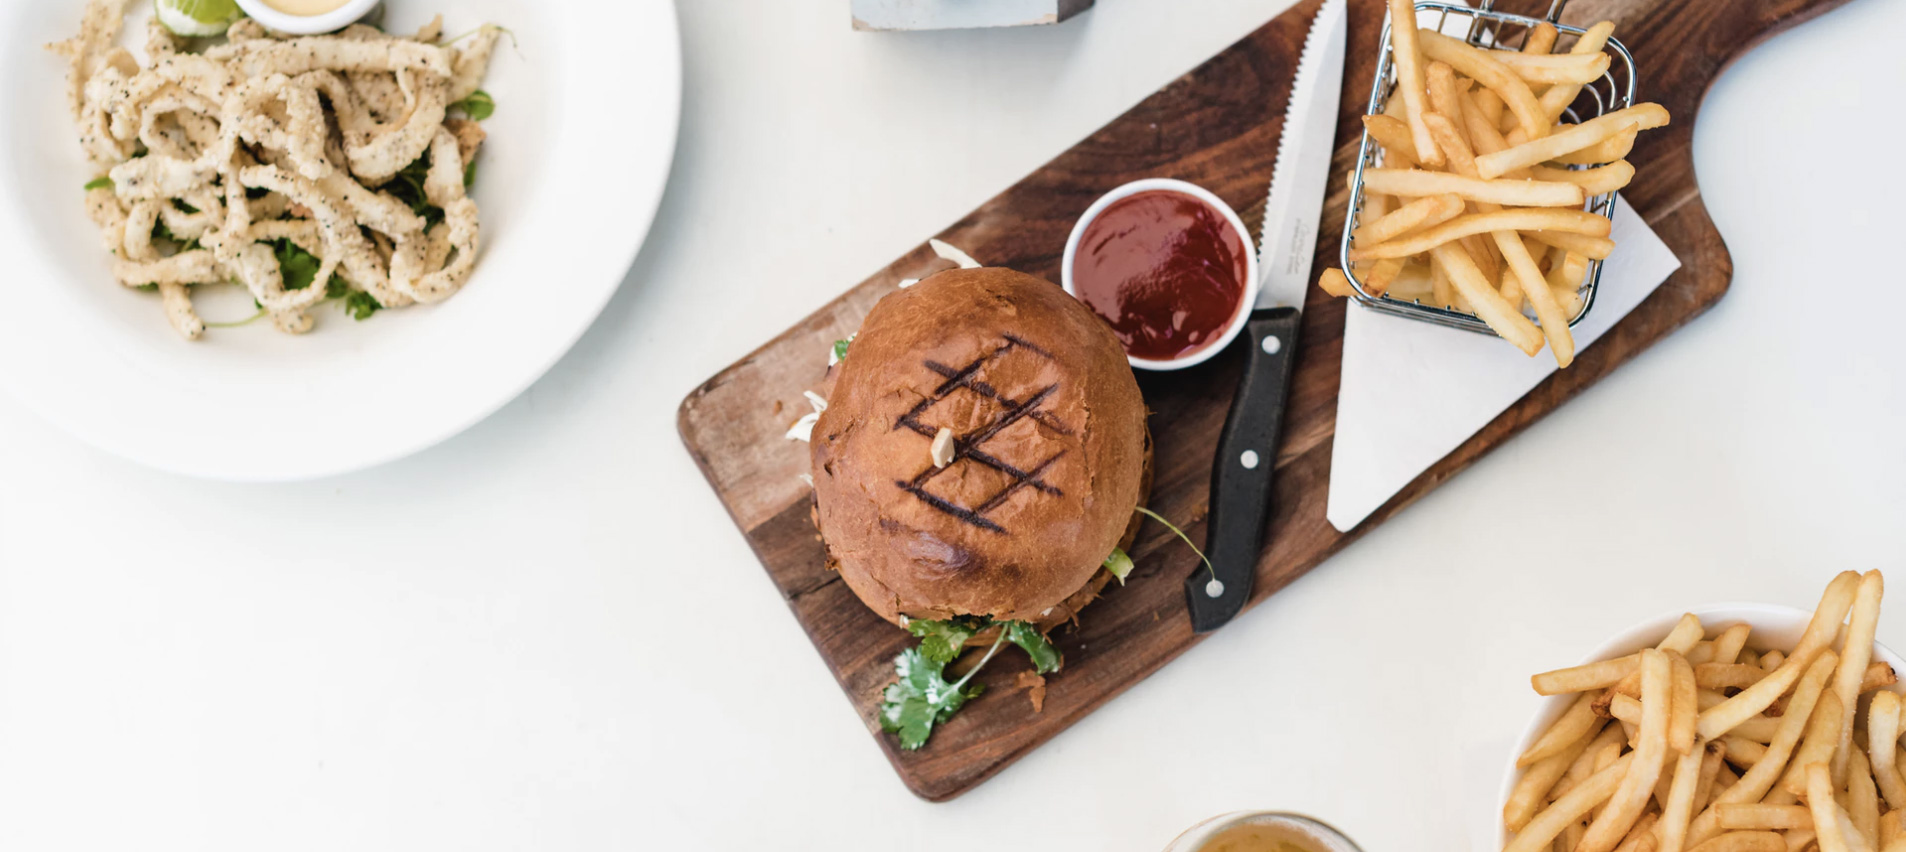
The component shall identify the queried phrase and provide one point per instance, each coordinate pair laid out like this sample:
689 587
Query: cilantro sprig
921 697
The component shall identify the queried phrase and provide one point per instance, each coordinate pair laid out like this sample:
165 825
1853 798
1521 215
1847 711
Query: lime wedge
197 17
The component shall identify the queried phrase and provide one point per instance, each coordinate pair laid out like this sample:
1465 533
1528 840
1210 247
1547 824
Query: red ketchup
1165 269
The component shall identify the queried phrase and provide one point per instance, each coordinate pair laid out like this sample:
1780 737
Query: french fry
1576 68
1743 752
1599 180
1609 742
1394 135
1862 621
1546 825
1684 712
1421 213
1439 81
1588 246
1547 146
1382 274
1407 55
1819 634
1490 307
1755 816
1766 772
1823 735
1557 98
1711 766
1484 68
1671 830
1772 660
1759 729
1516 219
1685 634
1606 151
1882 732
1831 826
1489 104
1333 282
1539 778
1728 645
1862 797
1744 841
1523 193
1628 800
1889 827
1441 293
1641 838
1574 726
1727 675
1878 675
1540 39
1597 675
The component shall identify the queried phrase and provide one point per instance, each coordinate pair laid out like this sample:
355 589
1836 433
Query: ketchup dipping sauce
1167 268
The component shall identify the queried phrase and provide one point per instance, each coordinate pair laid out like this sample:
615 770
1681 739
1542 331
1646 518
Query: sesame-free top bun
1052 453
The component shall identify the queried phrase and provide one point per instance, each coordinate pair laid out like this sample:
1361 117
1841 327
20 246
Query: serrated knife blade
1247 448
1294 208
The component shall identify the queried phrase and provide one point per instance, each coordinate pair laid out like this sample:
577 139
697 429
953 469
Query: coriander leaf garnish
1181 536
840 349
408 186
478 106
922 698
360 305
1119 564
101 182
1045 658
469 174
298 267
941 641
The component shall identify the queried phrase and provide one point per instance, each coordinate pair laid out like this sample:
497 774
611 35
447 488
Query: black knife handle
1241 473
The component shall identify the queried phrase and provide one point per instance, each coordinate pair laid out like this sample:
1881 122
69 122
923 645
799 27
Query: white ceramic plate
1774 626
578 154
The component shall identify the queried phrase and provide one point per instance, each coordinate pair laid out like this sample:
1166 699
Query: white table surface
546 634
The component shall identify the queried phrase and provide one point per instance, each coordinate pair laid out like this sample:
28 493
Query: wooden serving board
1218 127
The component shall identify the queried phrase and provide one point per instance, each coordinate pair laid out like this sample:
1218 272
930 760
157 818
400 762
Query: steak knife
1247 448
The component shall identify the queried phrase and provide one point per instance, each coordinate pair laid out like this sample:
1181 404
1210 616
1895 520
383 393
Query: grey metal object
961 14
1487 27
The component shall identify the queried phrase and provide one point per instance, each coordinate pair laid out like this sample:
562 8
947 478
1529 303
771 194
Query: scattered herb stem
1182 537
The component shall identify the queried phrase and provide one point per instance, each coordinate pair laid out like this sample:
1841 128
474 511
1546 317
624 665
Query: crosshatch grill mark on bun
1052 455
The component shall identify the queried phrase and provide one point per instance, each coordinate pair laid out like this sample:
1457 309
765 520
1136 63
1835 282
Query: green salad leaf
478 106
1119 564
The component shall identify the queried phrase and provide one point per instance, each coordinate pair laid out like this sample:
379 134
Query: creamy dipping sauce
306 8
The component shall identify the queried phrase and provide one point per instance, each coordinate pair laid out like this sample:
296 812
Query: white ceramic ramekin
1195 837
1210 200
1774 627
336 19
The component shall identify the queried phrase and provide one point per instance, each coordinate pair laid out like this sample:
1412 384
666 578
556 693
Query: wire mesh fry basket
1484 27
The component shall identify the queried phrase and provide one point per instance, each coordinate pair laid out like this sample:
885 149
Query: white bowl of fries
1602 767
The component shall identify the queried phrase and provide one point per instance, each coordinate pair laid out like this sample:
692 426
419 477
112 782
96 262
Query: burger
978 472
